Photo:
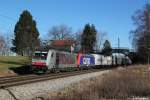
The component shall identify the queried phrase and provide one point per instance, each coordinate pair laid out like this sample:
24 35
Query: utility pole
116 58
118 43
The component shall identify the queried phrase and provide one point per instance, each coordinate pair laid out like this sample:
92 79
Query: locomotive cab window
44 54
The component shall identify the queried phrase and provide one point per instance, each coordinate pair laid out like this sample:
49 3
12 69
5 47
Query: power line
7 17
118 43
4 29
13 19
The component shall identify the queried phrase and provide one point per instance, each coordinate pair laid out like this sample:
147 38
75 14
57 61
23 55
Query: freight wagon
102 61
85 60
121 59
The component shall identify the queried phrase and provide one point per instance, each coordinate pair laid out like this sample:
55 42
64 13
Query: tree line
26 36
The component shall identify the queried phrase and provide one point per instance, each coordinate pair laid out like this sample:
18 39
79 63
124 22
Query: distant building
64 45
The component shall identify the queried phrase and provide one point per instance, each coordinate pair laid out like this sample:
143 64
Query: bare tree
60 32
141 34
2 45
2 42
77 38
101 37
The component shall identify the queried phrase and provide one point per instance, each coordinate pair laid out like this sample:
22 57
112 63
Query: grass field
7 62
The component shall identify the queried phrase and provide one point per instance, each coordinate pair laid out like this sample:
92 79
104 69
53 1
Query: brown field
121 83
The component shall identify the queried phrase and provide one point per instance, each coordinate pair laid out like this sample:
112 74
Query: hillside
10 62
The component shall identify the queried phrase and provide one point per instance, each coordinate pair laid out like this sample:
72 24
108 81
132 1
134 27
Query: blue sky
111 16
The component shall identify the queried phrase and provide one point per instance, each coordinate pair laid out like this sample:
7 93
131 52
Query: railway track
27 79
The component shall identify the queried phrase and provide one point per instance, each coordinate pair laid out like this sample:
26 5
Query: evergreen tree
107 50
88 38
26 34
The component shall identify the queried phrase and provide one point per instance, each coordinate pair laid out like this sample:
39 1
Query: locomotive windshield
40 55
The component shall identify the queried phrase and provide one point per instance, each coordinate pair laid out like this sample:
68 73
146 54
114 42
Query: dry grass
122 83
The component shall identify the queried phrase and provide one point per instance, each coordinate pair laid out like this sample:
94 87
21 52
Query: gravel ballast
28 91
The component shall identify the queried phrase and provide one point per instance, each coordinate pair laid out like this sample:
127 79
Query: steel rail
15 77
25 77
27 80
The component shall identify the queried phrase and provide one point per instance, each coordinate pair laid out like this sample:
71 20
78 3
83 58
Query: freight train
54 60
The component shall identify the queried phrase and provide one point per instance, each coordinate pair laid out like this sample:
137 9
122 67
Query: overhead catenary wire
15 20
7 17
